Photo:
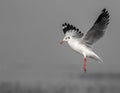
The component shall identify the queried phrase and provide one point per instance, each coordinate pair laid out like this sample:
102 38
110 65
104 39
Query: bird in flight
83 43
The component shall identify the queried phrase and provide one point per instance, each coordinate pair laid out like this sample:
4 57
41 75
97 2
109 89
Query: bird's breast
76 46
80 48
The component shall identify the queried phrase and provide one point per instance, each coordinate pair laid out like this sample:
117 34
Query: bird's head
66 39
71 32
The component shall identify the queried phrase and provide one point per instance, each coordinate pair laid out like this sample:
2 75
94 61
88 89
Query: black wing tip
65 24
67 27
104 10
104 17
105 13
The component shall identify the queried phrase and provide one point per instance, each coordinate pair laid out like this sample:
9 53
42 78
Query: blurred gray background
30 32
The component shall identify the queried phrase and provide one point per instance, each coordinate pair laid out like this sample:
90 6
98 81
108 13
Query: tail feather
97 58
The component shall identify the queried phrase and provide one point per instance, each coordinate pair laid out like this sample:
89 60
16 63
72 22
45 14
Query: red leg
84 66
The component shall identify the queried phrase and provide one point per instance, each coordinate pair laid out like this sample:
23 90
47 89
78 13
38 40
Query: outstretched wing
98 29
71 30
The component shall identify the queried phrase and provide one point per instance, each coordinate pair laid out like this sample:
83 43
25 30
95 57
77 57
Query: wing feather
71 30
98 29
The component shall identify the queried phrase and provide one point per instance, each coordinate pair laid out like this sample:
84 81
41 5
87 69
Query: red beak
62 42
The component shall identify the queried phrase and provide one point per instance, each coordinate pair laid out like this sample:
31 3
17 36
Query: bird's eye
68 37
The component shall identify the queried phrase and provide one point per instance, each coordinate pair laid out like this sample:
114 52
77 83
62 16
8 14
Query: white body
83 49
82 43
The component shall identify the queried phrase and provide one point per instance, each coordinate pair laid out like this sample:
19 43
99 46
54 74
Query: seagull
81 43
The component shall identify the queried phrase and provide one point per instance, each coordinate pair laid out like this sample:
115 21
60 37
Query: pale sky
30 32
